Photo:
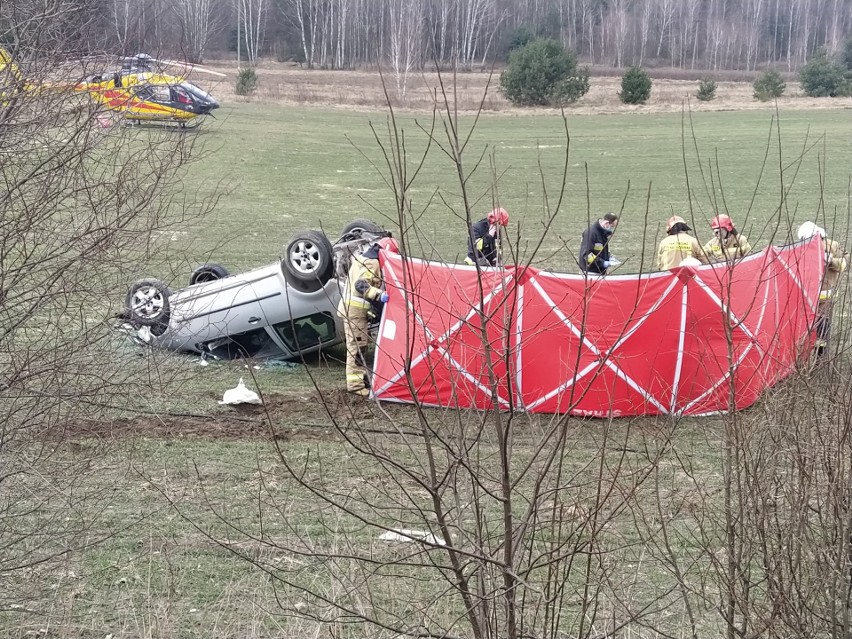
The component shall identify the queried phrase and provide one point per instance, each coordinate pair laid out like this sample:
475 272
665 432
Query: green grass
282 169
171 506
162 573
288 169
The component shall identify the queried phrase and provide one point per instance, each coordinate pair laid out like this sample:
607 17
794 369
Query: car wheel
147 303
357 228
208 273
308 261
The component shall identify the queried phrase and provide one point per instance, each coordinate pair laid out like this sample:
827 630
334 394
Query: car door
228 307
303 322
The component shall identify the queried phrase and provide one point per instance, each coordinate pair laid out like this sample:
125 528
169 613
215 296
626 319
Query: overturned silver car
287 309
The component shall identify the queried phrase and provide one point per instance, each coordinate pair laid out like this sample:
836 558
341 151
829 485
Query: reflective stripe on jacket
594 249
482 245
735 247
363 283
674 248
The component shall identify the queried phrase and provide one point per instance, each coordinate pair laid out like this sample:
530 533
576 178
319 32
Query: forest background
469 34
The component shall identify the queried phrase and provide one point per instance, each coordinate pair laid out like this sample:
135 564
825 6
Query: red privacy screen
689 341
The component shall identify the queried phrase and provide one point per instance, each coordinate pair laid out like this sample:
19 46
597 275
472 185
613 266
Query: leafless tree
83 203
406 20
123 14
301 16
251 17
195 20
498 525
620 16
345 33
464 523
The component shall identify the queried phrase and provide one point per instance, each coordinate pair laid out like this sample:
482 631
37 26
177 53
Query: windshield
198 93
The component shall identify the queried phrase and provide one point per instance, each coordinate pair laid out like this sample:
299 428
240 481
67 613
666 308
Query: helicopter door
160 94
154 93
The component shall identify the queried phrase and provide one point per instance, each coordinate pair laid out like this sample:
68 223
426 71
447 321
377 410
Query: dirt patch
280 83
282 416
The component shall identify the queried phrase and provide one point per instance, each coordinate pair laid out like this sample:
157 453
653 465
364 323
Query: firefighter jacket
594 249
835 264
674 248
363 285
733 248
483 246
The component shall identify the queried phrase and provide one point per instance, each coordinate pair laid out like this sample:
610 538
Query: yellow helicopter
138 90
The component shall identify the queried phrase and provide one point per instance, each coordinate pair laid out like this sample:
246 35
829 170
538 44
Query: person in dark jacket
484 237
594 247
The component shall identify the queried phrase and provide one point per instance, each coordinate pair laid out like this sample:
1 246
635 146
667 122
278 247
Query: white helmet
690 261
809 229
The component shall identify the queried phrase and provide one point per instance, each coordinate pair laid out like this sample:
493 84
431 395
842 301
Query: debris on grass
240 395
409 535
279 364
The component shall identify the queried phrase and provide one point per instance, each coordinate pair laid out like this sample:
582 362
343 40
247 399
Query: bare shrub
461 523
82 201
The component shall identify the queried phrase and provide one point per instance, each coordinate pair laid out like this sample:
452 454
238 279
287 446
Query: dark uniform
483 248
594 249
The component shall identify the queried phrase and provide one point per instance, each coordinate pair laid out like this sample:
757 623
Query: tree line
414 34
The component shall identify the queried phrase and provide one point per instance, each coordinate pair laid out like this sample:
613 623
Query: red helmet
389 244
498 216
722 222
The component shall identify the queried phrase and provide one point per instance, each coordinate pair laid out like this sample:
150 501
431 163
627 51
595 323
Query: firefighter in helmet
835 263
484 238
362 292
727 244
678 245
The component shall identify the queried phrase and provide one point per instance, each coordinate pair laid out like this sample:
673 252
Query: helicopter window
154 93
161 94
194 90
180 95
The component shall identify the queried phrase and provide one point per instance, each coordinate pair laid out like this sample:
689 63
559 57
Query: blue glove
383 298
606 263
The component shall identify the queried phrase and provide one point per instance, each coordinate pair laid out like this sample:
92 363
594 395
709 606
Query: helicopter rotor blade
190 68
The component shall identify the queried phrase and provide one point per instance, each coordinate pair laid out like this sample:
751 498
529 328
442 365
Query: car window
305 332
256 343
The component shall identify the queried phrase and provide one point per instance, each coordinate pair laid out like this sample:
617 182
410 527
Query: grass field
175 483
288 168
282 169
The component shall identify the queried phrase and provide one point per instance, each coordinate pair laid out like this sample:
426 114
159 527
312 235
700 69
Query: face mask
492 230
608 229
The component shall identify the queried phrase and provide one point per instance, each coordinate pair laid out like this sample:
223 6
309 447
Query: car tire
147 304
208 273
356 229
307 261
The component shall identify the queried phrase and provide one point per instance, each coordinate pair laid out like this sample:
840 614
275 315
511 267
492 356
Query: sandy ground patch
362 90
282 416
